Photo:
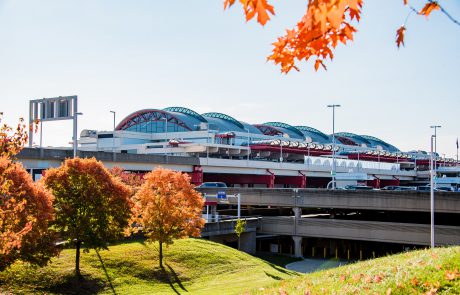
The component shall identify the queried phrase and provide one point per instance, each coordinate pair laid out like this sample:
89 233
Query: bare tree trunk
77 258
161 254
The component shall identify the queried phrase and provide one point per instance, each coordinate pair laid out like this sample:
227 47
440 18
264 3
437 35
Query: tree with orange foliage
26 212
92 207
325 24
134 182
170 207
12 141
25 207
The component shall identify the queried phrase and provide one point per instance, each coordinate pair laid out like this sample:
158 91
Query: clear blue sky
129 55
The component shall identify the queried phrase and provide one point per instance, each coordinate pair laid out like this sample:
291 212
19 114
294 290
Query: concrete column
248 242
297 212
297 246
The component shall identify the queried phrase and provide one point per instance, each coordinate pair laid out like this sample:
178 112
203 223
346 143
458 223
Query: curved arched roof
287 129
269 130
186 119
355 138
150 115
225 118
186 111
378 141
314 134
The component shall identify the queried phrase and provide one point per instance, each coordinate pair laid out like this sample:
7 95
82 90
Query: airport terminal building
271 154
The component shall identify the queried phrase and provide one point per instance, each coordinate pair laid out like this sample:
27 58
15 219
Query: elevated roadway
414 201
389 232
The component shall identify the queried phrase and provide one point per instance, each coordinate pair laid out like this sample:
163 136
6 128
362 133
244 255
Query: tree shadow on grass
175 278
162 275
71 284
106 273
273 276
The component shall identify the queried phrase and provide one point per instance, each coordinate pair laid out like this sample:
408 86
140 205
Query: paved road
313 265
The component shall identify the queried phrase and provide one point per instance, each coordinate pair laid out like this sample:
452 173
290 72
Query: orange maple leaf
319 62
428 8
251 8
228 3
400 36
452 275
378 278
433 291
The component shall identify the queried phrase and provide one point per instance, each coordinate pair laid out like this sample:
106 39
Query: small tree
240 227
12 140
92 207
26 211
170 207
134 182
25 207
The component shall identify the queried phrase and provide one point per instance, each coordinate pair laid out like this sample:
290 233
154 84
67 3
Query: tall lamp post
166 133
113 135
249 147
435 149
333 172
433 139
75 136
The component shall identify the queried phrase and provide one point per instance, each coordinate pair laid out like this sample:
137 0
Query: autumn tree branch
443 10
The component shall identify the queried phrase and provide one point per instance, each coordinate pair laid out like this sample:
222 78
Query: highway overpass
415 201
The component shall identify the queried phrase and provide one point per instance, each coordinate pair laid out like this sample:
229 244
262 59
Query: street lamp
249 147
166 131
433 139
75 128
435 147
281 150
113 135
333 172
114 116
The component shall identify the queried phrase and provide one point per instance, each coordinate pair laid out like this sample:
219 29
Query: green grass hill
195 266
192 266
415 272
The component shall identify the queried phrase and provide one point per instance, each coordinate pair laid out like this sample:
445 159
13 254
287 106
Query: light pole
75 128
333 172
435 148
249 147
166 132
113 136
281 150
433 139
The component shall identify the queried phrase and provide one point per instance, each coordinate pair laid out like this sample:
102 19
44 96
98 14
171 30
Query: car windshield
213 184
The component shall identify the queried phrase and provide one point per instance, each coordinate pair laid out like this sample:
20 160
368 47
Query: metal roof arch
286 126
149 115
187 112
224 117
313 130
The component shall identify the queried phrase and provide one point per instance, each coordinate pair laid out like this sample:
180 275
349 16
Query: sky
125 56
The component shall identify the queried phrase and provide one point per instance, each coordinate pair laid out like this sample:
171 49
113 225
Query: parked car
445 188
406 188
358 187
212 185
426 188
389 188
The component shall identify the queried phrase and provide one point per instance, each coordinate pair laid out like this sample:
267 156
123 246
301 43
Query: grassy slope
191 266
417 272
